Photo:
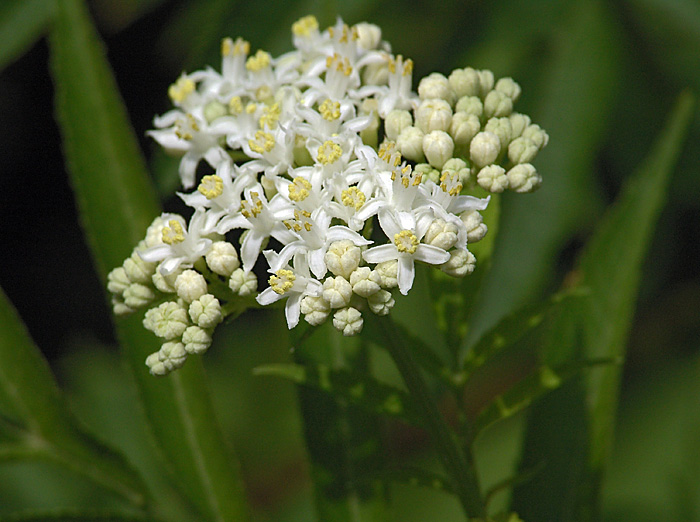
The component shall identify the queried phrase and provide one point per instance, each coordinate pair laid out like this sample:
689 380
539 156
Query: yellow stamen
235 105
181 89
173 233
305 26
251 211
330 110
353 197
299 189
263 142
271 114
282 281
329 152
406 241
449 182
237 48
211 186
259 61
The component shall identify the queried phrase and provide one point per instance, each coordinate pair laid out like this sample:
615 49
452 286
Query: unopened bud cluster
335 144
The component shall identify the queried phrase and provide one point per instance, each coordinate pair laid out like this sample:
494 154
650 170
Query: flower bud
337 291
465 82
435 85
369 36
410 144
348 321
343 257
205 312
441 234
518 122
427 172
463 129
492 178
169 320
497 105
461 263
154 234
119 308
138 270
171 356
138 295
222 258
470 105
484 148
502 128
214 110
388 272
315 310
117 280
165 283
243 283
365 281
522 150
509 87
196 340
474 223
459 167
438 148
396 121
433 114
486 80
375 74
537 135
524 178
381 303
190 285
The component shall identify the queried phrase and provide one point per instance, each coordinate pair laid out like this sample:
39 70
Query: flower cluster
326 162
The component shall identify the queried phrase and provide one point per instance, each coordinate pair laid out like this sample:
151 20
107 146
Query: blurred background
599 76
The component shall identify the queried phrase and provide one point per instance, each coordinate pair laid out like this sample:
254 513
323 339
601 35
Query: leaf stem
456 461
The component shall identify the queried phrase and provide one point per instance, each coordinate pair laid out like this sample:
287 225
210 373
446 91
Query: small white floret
196 340
461 263
138 295
337 291
395 122
493 178
381 303
484 148
343 257
169 320
190 285
205 312
222 258
348 321
389 273
315 310
365 281
410 143
438 148
243 283
524 178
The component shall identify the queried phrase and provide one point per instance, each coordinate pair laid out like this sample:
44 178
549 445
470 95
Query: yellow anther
270 116
299 189
184 129
250 211
406 241
251 108
329 152
211 186
339 63
235 105
237 48
305 26
330 110
173 233
263 142
262 93
181 89
449 182
259 61
353 197
407 67
282 281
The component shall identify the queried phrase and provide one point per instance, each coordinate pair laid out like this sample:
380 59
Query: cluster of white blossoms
326 162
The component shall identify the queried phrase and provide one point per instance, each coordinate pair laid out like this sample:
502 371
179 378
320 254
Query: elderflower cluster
325 166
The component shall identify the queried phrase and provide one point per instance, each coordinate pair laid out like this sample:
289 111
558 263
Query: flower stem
458 464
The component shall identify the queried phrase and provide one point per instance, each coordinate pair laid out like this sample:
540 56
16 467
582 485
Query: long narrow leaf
48 430
117 202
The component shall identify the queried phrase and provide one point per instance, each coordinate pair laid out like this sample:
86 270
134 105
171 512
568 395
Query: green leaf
353 387
117 203
417 477
22 23
42 424
70 515
576 448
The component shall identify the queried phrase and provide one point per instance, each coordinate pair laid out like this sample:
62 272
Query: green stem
457 462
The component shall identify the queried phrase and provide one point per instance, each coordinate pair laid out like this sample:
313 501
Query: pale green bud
470 105
365 281
388 272
243 283
509 87
492 178
465 82
518 122
433 114
410 144
396 121
369 135
502 128
169 320
165 283
343 257
337 291
524 178
484 148
459 167
171 356
138 270
441 234
538 136
369 36
497 105
474 223
196 340
348 321
438 147
435 85
486 81
222 258
138 295
522 150
381 303
154 233
427 172
190 285
205 312
462 262
375 74
463 129
315 310
119 308
117 280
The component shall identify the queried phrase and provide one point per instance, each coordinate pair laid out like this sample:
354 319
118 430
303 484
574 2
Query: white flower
493 178
294 284
524 178
406 248
396 121
461 263
484 148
